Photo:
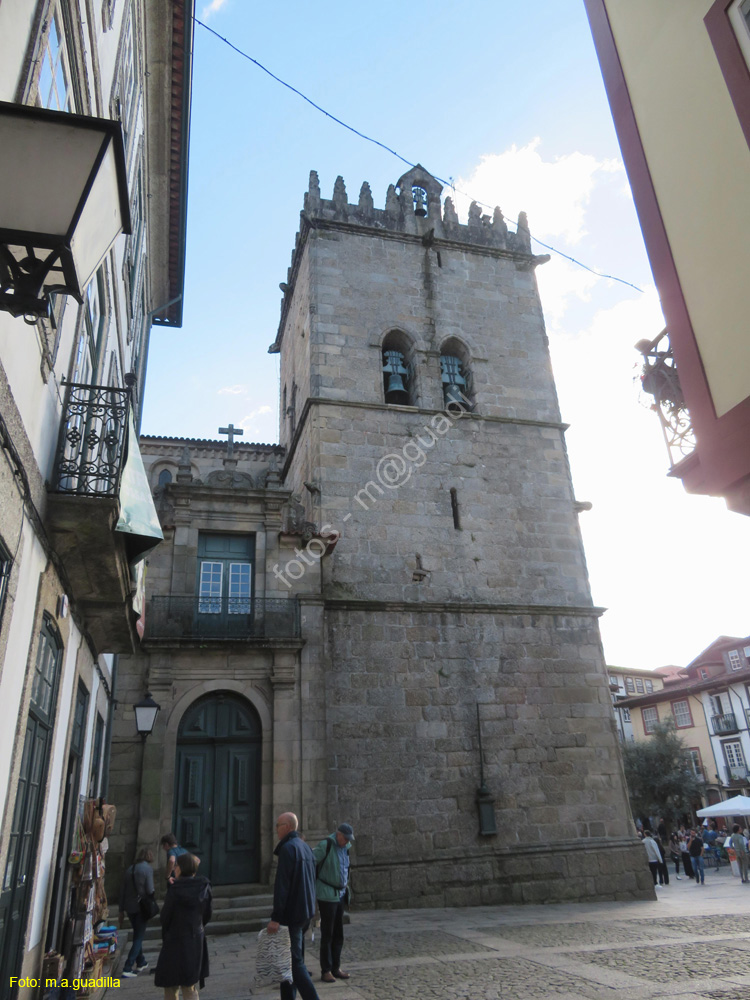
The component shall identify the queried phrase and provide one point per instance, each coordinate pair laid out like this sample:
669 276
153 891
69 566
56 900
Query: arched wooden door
217 787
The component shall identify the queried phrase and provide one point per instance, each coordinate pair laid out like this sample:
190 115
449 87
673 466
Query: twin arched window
399 382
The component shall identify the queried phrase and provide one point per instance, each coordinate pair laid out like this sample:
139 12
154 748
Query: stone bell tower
457 708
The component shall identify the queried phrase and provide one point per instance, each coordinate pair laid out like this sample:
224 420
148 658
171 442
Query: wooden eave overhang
175 76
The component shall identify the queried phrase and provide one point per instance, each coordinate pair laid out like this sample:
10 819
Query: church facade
386 618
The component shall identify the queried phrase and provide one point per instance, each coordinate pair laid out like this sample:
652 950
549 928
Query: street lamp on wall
63 202
146 711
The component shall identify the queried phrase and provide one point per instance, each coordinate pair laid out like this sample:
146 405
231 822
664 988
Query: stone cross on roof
233 432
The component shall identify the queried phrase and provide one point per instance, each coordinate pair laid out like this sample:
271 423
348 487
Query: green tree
660 775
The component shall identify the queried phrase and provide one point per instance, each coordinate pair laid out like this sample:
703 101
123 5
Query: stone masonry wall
425 616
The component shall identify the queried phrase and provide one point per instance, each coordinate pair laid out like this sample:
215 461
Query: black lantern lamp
63 202
146 711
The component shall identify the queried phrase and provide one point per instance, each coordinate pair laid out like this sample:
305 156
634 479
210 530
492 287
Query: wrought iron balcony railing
171 617
659 379
92 440
723 724
737 775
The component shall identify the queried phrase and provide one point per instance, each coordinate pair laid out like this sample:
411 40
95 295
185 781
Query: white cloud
232 390
261 424
212 8
559 282
554 193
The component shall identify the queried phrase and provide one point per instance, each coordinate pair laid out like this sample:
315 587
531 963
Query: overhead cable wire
388 149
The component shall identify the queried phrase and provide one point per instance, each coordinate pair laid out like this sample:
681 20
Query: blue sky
506 98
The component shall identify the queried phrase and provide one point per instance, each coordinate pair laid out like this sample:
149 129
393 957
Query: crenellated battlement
413 206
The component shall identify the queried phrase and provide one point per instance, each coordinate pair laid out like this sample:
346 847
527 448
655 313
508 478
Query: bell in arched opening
453 380
396 378
419 199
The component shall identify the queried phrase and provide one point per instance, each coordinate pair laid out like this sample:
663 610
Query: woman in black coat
183 960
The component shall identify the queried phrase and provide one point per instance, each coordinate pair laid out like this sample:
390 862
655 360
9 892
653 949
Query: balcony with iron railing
660 380
737 775
724 724
186 620
84 509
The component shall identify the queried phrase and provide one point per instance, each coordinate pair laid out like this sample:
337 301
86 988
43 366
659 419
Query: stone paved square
363 946
479 980
659 964
603 951
576 934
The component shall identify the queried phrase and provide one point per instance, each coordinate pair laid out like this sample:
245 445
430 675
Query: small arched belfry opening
420 192
398 369
456 375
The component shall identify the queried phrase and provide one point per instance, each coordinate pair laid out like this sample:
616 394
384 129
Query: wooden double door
217 788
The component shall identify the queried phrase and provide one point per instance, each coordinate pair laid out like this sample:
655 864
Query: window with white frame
127 75
629 685
703 674
650 718
649 687
681 712
639 685
626 715
55 81
696 763
92 325
735 660
735 758
739 17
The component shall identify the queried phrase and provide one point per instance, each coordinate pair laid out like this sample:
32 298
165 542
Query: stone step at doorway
236 909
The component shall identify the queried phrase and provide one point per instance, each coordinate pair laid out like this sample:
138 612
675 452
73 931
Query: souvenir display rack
89 943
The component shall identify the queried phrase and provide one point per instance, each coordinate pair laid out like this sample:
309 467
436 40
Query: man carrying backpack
332 866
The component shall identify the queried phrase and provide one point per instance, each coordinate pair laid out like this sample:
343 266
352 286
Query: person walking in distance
695 850
675 853
137 884
653 854
332 863
294 902
739 845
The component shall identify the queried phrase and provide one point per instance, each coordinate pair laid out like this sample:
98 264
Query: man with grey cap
332 867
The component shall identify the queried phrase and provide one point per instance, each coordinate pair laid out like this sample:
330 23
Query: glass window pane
45 81
239 588
681 711
650 717
210 588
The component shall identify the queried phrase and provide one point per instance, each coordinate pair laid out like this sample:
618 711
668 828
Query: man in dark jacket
294 902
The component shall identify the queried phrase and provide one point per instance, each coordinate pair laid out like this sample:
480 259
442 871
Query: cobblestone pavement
693 943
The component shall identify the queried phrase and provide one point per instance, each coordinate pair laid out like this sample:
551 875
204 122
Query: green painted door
217 787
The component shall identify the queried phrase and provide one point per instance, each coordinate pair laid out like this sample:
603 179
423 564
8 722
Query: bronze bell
453 380
395 389
419 198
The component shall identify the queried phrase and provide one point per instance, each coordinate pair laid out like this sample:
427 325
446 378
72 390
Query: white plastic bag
273 959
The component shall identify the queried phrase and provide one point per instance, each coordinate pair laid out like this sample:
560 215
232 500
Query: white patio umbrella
737 806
